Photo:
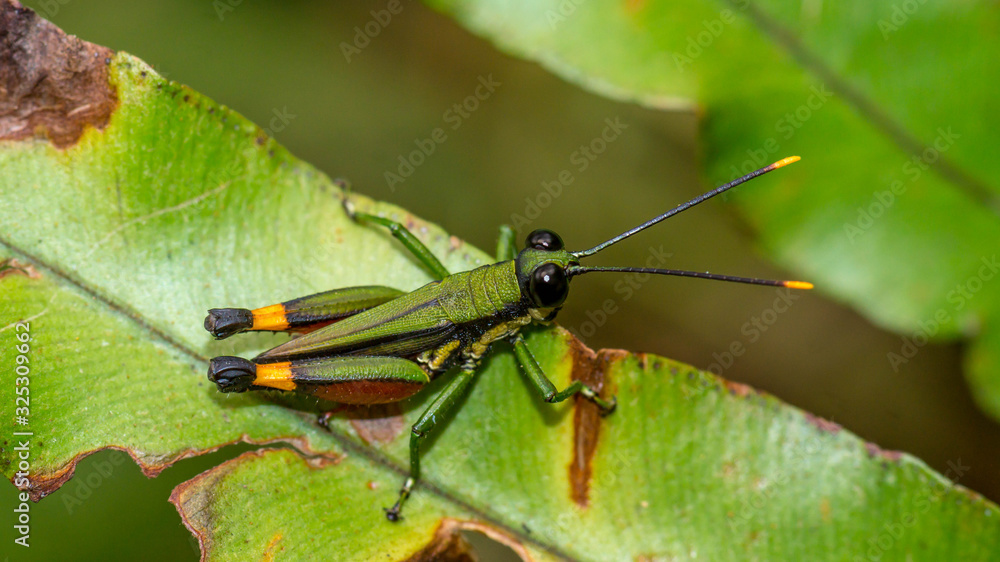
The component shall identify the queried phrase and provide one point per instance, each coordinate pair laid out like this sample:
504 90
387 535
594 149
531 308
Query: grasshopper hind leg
299 315
438 410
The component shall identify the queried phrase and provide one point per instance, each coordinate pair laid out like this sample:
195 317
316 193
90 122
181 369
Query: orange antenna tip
784 162
798 284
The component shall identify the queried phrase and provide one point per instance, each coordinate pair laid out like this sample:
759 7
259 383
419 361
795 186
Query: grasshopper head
542 270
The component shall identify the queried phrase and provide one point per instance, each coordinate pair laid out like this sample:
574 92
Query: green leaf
895 209
689 466
119 228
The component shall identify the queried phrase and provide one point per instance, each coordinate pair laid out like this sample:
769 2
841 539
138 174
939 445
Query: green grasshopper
372 345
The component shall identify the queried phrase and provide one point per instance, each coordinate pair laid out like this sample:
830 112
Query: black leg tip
392 513
232 374
323 420
612 405
225 322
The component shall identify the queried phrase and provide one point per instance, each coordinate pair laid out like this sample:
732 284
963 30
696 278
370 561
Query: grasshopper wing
402 327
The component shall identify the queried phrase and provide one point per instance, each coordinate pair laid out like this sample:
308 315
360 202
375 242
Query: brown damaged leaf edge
193 498
15 267
822 424
874 451
449 544
52 85
589 367
44 483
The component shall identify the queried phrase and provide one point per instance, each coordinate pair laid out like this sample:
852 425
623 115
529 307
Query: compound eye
548 286
543 239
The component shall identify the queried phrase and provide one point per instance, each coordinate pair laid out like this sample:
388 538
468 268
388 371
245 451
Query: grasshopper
373 345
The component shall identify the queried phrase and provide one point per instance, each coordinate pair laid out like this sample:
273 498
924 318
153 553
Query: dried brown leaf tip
52 85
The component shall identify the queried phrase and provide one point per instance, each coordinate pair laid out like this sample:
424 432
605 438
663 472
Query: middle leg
544 386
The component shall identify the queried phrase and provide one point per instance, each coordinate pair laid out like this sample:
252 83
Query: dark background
354 119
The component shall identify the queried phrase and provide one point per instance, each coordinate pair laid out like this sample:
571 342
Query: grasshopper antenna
685 206
577 270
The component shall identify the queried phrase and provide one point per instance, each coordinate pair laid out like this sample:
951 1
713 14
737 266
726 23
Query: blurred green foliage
896 213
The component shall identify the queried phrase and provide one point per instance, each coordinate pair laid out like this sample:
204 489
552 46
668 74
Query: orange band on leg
275 375
270 318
